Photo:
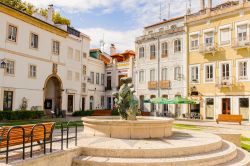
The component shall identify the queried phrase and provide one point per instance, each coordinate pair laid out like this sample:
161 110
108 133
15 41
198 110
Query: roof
23 13
165 21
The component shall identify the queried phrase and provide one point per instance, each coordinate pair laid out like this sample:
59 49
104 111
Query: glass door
8 100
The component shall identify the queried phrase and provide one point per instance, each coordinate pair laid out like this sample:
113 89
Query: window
8 100
84 70
242 32
225 71
77 76
225 36
92 77
69 75
177 73
102 101
84 55
91 102
97 78
77 55
102 79
209 73
109 82
194 42
152 75
152 52
141 76
84 87
209 38
195 74
55 47
242 70
177 45
12 33
33 40
164 74
244 108
32 71
70 53
209 108
164 50
141 52
10 67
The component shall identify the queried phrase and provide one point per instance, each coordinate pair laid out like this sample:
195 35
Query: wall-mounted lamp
3 64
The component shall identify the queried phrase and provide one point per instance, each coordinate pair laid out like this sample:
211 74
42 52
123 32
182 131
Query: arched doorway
53 94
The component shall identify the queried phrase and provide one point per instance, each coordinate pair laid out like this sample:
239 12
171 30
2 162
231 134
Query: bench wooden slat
16 134
229 118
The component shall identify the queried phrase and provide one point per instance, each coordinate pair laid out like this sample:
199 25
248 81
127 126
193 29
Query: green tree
30 9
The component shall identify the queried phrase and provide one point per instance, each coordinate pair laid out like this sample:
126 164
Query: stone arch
53 93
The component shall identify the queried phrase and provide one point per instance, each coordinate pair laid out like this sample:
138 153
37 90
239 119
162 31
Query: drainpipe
158 39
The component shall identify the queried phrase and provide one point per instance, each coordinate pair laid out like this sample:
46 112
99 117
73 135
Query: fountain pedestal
142 128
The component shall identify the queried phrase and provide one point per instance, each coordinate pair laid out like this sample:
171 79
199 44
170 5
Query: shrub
115 112
20 115
83 113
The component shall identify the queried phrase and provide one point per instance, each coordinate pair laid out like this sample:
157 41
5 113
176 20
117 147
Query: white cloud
143 12
123 40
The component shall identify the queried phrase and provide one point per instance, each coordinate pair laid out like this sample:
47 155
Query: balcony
208 49
152 85
225 82
165 84
241 43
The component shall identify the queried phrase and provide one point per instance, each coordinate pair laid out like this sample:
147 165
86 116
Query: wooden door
226 108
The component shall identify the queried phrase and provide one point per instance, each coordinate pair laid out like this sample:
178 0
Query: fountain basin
114 127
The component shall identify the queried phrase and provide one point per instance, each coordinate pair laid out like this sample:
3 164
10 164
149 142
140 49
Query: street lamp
3 64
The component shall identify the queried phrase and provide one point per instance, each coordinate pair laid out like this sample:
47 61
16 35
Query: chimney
112 49
210 4
50 12
202 4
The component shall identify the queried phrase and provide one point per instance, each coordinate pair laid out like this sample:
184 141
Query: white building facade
44 63
161 66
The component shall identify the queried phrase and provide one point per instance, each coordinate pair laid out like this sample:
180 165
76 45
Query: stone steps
225 154
154 150
242 159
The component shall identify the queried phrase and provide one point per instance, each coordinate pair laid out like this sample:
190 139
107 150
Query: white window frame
238 70
69 75
154 79
198 74
152 51
32 73
190 39
220 69
12 39
166 72
32 41
97 79
240 24
205 74
177 75
212 30
102 79
13 68
77 76
174 45
164 48
141 81
229 26
55 48
92 77
141 52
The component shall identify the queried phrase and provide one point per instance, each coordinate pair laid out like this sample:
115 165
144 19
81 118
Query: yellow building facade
219 60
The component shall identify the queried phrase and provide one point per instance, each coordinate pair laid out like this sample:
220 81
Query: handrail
44 138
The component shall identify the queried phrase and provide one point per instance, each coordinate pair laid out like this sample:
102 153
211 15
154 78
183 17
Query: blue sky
119 21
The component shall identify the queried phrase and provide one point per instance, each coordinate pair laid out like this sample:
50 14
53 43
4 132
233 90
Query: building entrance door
226 108
8 100
70 103
109 104
83 104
